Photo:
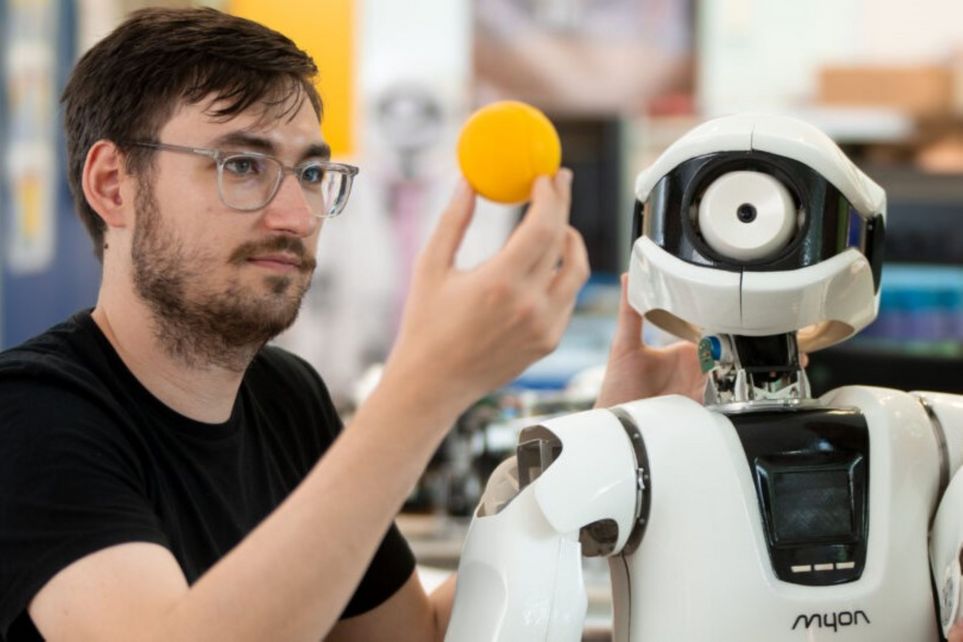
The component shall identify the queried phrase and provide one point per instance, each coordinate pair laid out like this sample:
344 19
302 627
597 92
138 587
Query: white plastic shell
826 302
520 573
946 544
779 135
947 409
946 536
593 479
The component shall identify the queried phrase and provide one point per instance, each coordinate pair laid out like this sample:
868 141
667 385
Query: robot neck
753 370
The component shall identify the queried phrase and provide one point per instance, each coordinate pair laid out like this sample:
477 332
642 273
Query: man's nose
289 210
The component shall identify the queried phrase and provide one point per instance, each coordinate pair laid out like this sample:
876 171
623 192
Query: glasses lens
248 182
326 188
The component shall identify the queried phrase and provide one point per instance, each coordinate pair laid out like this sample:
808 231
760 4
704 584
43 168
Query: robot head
757 225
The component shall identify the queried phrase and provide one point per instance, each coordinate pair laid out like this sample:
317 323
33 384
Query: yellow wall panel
326 30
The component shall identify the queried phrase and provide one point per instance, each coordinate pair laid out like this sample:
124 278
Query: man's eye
244 165
312 174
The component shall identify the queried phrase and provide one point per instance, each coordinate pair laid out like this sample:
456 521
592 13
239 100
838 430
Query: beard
197 322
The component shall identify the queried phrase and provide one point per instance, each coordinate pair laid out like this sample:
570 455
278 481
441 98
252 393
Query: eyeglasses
248 181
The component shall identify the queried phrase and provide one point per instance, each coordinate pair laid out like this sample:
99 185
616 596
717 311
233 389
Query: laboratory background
621 80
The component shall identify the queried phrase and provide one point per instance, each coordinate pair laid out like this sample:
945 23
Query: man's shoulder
274 362
275 354
61 368
287 384
65 349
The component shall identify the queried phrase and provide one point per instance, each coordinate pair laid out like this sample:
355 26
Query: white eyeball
747 215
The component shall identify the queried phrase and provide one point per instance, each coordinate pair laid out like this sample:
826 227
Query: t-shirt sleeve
391 566
69 486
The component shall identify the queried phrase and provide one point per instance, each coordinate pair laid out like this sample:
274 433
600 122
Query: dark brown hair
129 84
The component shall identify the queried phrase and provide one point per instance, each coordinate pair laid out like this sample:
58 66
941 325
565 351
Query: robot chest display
809 524
810 470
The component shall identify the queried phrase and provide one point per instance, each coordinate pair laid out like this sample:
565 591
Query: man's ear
103 177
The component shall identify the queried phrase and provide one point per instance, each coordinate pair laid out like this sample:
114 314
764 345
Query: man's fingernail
565 175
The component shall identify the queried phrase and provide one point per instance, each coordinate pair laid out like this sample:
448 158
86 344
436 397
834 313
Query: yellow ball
504 146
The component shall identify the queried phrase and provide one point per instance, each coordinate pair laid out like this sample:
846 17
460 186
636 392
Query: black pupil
746 213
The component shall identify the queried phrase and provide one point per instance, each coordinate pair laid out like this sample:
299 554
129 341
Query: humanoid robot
764 514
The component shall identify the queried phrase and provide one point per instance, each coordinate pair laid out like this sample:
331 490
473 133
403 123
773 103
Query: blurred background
621 79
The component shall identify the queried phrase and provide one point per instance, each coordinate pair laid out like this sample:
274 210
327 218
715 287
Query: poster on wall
585 58
30 155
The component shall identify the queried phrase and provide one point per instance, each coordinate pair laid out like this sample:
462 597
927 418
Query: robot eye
747 215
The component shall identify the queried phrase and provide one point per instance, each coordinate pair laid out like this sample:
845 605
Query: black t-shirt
89 458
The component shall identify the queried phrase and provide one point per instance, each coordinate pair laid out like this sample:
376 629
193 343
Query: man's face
221 282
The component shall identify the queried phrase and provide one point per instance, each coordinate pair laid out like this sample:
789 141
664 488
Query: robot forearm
518 579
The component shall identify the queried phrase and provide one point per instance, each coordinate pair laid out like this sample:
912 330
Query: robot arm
946 536
574 484
946 547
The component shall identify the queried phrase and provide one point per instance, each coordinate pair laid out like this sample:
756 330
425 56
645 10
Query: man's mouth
281 262
281 254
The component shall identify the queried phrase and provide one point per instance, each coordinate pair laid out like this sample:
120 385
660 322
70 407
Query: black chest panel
811 473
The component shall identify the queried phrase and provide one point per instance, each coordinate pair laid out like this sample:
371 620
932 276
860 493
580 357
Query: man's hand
956 634
465 333
637 371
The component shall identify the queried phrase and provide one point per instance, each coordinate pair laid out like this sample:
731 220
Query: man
161 470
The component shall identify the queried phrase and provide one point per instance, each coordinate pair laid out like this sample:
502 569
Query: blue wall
29 303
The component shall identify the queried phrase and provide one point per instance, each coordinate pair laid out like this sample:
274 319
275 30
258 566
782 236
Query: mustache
289 244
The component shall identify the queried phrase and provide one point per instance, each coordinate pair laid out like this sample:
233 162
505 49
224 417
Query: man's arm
463 334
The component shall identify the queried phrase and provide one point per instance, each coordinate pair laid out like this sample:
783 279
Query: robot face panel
750 211
757 225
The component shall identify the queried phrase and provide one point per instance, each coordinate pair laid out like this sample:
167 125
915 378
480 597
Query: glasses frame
221 157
